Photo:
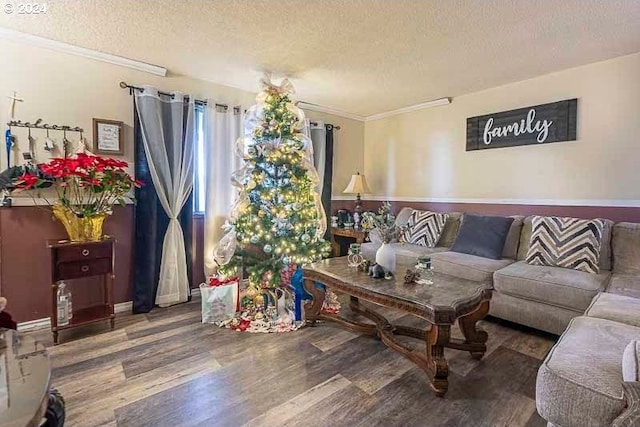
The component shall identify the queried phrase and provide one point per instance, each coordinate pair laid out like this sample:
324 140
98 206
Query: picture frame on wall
108 137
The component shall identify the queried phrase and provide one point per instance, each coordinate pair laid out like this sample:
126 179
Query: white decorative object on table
386 257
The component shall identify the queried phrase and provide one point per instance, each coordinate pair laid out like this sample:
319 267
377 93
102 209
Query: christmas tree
278 221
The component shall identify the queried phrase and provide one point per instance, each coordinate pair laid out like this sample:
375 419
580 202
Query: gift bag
220 300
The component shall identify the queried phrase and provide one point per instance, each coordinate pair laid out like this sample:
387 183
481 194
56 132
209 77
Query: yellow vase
80 229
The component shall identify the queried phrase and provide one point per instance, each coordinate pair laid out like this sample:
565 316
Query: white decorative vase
386 257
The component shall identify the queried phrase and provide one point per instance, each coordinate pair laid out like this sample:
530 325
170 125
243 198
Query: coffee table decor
355 256
447 301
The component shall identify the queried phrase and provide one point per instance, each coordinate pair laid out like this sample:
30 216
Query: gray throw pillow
483 236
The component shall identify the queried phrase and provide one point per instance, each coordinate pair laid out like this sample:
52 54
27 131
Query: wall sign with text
539 124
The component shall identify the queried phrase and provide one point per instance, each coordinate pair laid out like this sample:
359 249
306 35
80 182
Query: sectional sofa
591 377
544 298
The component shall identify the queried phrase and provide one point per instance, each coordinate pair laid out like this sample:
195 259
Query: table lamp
357 185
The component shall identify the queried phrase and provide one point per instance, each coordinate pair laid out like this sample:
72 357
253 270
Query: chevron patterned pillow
424 228
566 242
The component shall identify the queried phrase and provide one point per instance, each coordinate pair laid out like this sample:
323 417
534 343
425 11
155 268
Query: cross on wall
12 104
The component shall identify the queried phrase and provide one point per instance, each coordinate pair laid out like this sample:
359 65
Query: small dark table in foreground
442 303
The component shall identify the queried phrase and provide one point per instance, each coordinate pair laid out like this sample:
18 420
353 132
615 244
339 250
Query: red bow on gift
214 281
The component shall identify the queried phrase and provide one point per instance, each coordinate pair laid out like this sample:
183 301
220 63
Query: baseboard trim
45 322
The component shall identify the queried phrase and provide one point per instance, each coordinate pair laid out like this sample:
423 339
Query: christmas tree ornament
267 249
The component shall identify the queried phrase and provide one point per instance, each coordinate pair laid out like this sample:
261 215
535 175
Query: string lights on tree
278 222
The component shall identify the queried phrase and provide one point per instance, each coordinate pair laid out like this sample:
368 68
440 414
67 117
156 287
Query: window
199 162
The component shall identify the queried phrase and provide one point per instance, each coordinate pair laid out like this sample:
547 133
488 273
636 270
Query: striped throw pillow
566 242
424 228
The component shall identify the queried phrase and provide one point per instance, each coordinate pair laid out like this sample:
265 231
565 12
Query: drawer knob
84 268
85 252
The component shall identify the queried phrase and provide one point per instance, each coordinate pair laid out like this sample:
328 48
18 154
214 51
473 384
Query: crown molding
410 108
321 109
528 202
20 37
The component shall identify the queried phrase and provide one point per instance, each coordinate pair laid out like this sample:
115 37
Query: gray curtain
168 131
322 138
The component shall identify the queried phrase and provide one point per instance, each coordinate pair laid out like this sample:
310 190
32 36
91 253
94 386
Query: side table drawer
76 269
83 252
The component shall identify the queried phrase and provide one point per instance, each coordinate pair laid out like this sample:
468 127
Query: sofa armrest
630 417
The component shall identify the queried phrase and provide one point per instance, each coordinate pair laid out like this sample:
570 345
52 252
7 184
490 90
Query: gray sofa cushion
513 238
466 266
605 248
562 287
626 248
618 308
623 284
450 230
482 235
538 315
631 362
580 382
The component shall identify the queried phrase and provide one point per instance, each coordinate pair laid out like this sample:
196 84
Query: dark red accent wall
25 260
617 214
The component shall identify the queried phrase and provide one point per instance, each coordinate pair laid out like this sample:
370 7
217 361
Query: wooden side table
355 233
78 260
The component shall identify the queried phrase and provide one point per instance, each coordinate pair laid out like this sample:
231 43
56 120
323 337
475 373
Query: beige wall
422 154
67 89
348 148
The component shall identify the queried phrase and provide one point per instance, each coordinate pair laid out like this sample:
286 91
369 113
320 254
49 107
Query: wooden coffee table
448 299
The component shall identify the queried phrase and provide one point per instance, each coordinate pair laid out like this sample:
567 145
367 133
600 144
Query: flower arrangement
384 223
85 185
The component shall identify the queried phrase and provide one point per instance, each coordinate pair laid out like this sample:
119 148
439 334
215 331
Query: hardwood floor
165 368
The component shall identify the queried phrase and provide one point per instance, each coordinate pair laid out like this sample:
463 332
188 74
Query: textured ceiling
359 56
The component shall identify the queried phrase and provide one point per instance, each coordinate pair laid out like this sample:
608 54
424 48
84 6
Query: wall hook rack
39 125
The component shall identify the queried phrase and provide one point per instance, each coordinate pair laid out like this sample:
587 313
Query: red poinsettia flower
88 184
26 181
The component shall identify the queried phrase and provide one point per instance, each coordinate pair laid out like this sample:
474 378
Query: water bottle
69 304
63 300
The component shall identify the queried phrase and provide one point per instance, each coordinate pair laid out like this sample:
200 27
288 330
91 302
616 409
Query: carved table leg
472 335
312 308
437 338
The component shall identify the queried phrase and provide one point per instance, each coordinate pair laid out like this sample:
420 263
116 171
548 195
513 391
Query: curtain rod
326 124
131 88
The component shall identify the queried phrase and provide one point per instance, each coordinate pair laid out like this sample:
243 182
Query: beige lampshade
357 185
